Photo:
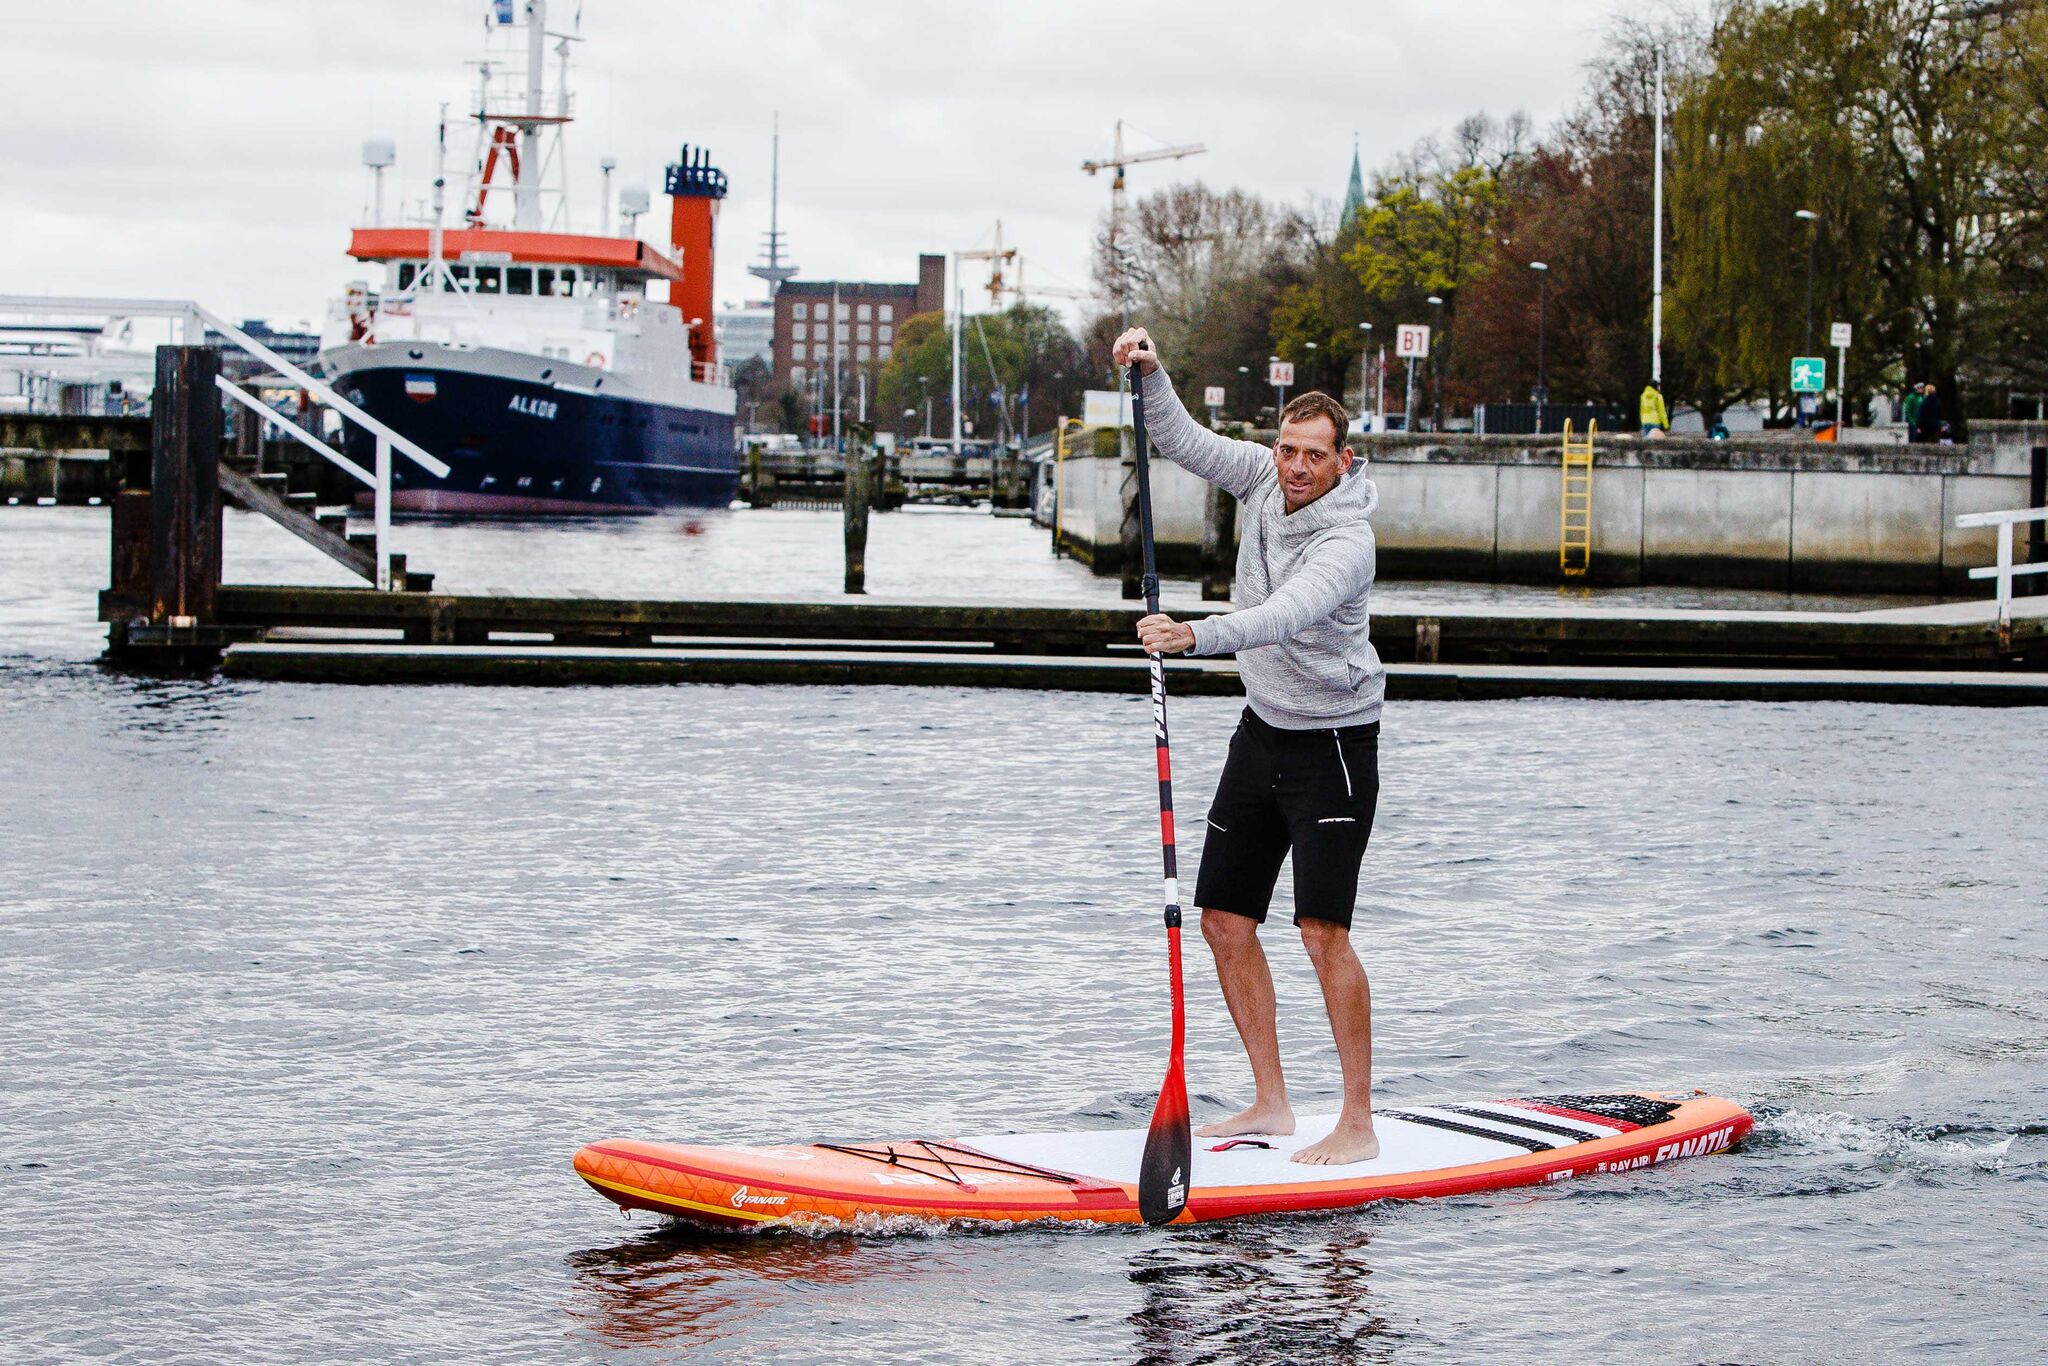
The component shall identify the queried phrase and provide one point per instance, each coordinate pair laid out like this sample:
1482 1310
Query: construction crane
1055 291
1117 160
995 256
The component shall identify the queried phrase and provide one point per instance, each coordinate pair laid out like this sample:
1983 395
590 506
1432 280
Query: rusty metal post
184 486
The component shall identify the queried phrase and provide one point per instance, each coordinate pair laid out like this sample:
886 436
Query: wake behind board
1425 1150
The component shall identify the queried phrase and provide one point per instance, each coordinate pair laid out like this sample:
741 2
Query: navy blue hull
520 449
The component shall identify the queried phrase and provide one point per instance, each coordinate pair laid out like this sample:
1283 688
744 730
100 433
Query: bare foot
1346 1144
1258 1119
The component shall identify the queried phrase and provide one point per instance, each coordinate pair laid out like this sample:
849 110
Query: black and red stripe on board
1164 1171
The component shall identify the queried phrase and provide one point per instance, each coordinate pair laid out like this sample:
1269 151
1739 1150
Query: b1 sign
1411 340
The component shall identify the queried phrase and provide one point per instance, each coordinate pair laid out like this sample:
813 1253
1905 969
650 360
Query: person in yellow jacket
1655 418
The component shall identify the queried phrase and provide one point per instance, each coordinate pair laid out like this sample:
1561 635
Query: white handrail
290 428
195 320
325 392
2005 571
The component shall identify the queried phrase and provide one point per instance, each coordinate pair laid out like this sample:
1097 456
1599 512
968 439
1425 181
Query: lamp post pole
1812 221
1364 364
1436 363
1542 394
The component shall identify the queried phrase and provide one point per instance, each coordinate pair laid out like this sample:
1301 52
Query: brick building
869 315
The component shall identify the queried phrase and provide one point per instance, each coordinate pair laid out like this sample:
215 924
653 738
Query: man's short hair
1314 403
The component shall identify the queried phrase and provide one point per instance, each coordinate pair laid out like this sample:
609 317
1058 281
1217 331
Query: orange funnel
694 187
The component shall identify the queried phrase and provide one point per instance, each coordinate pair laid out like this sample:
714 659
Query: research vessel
556 372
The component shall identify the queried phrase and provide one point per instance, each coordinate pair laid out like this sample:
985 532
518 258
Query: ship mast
774 271
526 191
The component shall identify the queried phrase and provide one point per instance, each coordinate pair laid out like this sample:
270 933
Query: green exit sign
1809 374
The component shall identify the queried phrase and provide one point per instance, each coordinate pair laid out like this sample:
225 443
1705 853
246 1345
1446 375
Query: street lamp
1542 394
1436 364
1812 234
1812 220
1364 359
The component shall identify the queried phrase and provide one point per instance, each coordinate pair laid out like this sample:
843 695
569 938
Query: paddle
1169 1146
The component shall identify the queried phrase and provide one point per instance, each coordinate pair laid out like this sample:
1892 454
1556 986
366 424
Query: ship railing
193 323
2005 571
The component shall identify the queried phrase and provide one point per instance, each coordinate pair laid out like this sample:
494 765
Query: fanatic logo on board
741 1199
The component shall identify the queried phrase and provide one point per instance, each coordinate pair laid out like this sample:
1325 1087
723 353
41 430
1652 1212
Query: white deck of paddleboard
1405 1148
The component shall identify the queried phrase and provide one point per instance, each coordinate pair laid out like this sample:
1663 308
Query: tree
1429 229
1892 120
753 383
1024 352
1205 271
1581 202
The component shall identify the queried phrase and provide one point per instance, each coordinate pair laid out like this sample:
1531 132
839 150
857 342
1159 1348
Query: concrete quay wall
1776 513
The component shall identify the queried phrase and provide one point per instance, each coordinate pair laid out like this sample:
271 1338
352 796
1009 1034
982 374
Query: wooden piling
184 503
1219 545
856 499
1130 556
2037 533
1429 640
248 431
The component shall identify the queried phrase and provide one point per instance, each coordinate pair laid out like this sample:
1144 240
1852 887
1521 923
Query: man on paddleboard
1303 770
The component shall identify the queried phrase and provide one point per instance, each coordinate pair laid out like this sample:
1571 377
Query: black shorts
1311 791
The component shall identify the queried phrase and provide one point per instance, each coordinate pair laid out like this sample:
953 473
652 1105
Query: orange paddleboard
1425 1150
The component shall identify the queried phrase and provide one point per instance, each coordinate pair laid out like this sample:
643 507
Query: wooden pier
818 478
166 609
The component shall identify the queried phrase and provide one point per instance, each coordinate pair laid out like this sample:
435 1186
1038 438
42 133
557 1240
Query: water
308 993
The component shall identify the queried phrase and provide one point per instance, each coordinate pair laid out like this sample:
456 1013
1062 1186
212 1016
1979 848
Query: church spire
1354 193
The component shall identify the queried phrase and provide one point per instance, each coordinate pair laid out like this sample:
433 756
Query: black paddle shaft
1165 1169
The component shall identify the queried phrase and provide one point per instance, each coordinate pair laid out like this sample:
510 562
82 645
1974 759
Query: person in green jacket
1655 418
1909 412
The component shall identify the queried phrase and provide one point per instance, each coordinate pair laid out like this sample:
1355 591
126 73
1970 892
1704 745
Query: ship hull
525 447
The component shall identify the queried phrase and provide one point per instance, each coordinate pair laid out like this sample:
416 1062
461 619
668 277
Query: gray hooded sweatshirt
1303 580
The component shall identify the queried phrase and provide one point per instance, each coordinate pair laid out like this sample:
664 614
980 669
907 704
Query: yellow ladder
1575 537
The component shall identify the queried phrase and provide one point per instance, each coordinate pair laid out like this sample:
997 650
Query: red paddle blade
1169 1152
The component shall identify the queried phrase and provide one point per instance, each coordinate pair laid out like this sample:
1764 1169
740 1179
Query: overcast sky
211 149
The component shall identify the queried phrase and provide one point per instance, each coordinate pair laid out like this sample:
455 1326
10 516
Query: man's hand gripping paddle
1169 1146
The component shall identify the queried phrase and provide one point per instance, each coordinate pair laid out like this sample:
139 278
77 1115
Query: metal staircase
326 532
